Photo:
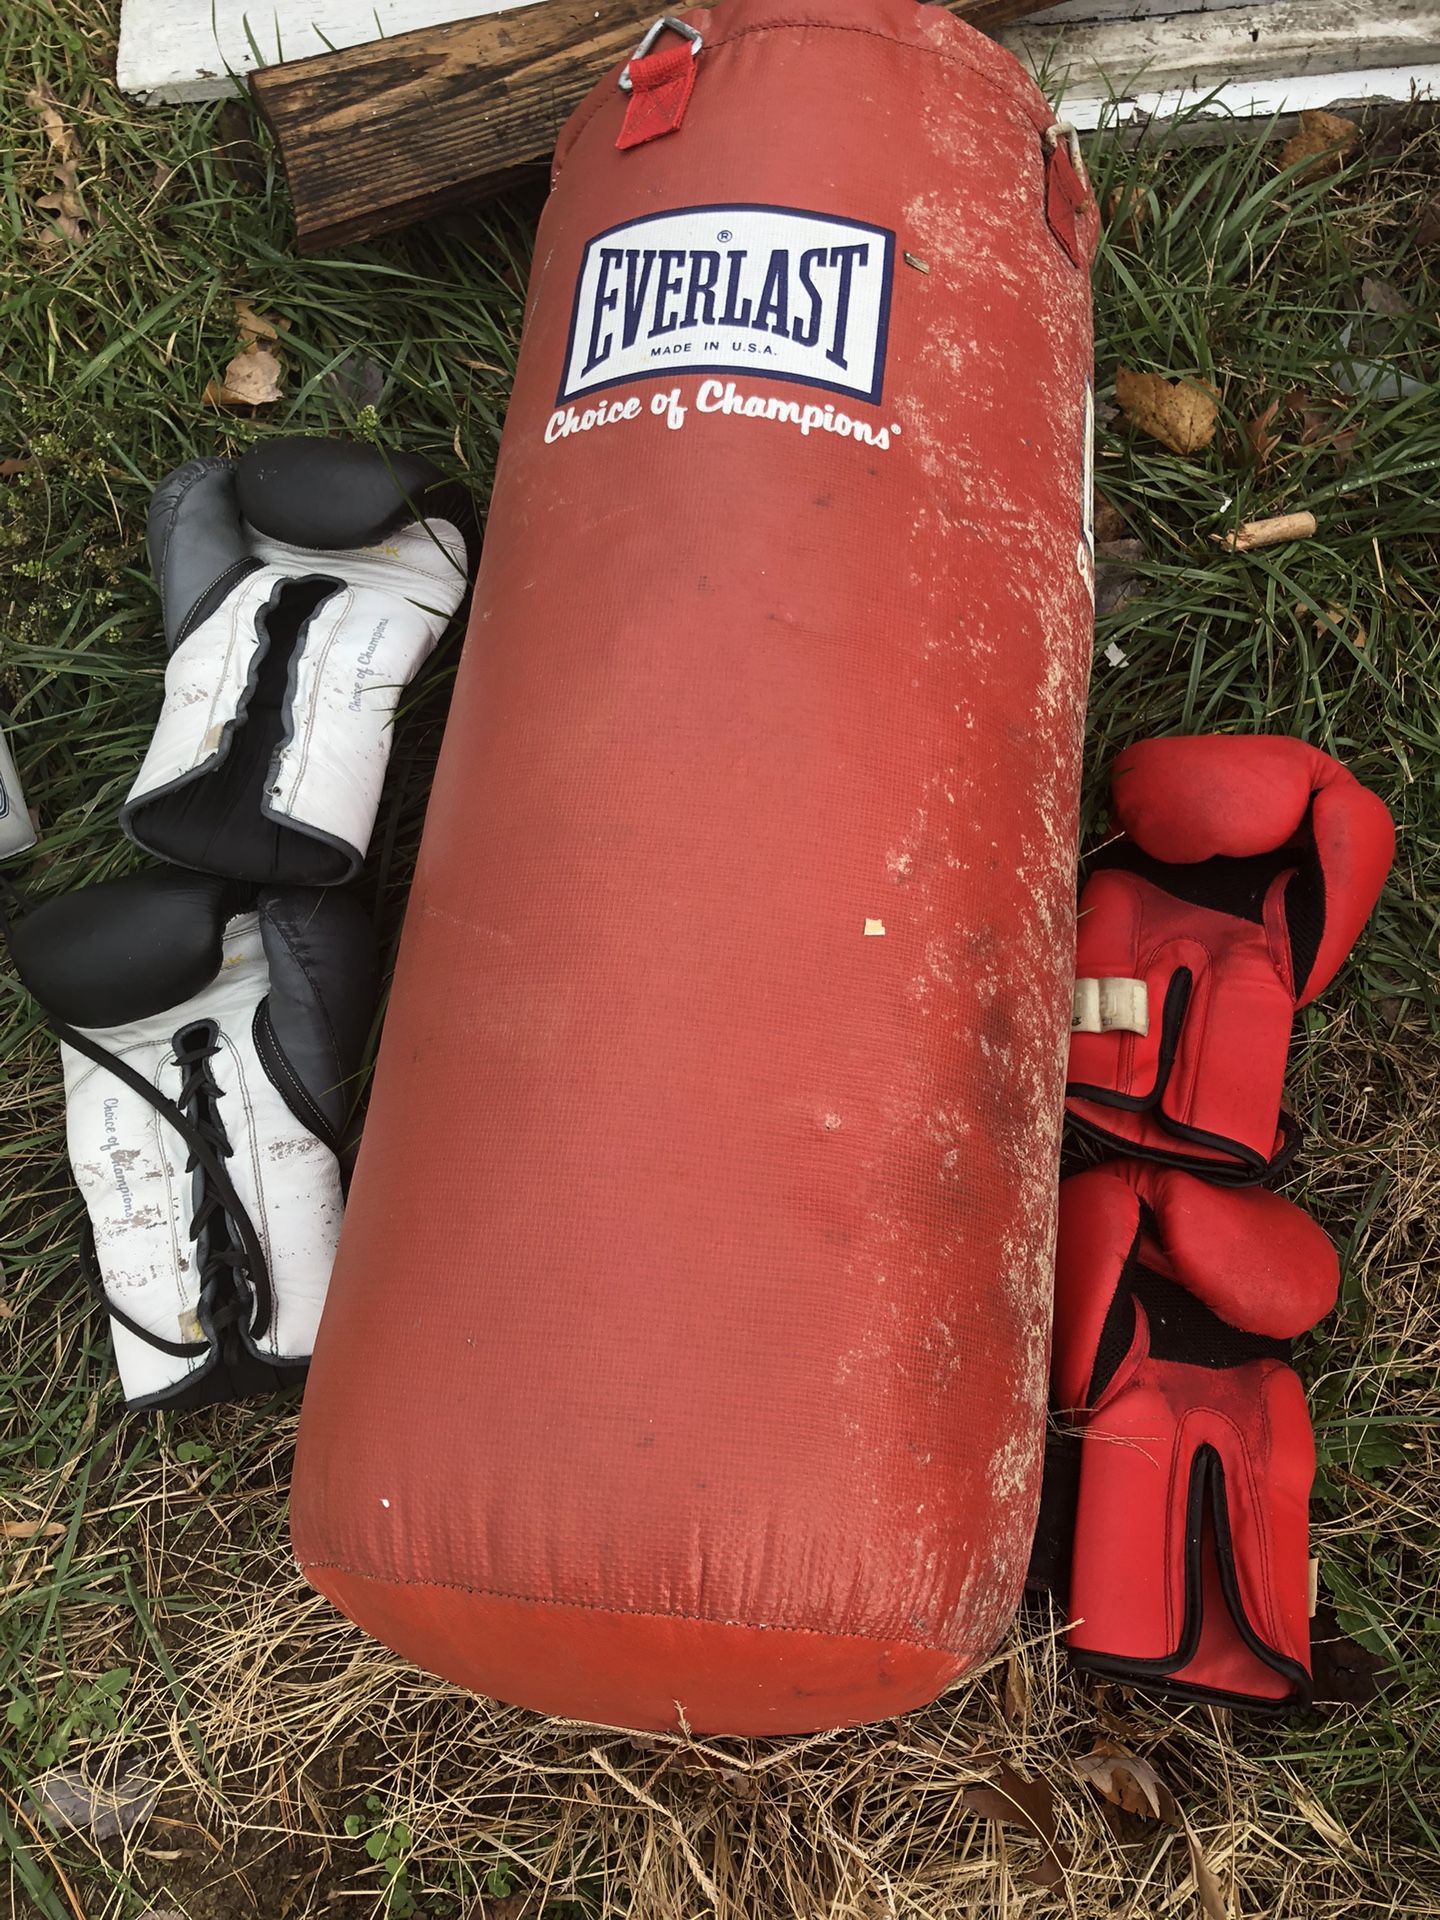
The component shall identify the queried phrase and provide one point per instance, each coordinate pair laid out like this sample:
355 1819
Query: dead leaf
1213 1903
1344 1670
9 468
1180 414
32 1529
1017 1692
252 379
1109 521
1317 428
1116 582
68 1797
1323 139
1029 1804
1427 224
256 326
1337 620
1258 431
355 381
65 203
43 100
1380 297
1129 1783
1126 212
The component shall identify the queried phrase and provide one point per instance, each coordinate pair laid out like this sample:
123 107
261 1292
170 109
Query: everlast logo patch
763 290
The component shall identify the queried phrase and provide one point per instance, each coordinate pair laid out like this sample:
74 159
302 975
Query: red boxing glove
1247 867
1174 1304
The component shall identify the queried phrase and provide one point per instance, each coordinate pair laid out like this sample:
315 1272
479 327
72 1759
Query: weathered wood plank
1290 37
197 49
380 135
398 130
1217 113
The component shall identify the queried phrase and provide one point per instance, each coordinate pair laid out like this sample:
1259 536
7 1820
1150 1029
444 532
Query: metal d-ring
691 34
1063 134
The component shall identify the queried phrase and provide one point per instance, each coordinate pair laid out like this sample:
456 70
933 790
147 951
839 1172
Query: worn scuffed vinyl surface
686 1352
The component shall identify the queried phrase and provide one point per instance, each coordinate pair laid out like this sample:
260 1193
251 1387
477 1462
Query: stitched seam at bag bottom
309 1567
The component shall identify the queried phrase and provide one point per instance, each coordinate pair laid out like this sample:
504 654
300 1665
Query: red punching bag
686 1352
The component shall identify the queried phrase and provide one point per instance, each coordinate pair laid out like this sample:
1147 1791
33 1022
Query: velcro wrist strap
1110 1005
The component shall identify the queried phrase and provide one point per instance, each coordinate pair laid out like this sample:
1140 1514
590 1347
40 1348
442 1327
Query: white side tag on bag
1110 1006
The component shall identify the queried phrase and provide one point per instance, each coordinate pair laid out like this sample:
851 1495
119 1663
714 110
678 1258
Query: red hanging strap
659 84
1067 193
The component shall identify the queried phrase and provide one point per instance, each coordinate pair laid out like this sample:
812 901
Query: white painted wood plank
1108 58
190 49
1282 94
1291 38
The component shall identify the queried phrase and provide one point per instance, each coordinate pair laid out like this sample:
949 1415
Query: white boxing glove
303 586
212 1036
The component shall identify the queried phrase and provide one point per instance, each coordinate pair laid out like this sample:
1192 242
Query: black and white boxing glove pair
213 1013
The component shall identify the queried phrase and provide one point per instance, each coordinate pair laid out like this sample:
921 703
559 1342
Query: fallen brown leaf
9 468
1344 1670
1213 1903
510 1906
1259 433
69 1797
47 110
1180 414
1317 428
32 1529
1337 620
1380 297
1427 224
1130 1783
1109 521
1324 139
252 379
1116 582
1126 212
65 203
1017 1692
256 326
1029 1804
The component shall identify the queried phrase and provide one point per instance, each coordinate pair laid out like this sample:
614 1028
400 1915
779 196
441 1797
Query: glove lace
222 1263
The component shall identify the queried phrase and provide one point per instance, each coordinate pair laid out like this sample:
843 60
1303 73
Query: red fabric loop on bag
1066 195
661 85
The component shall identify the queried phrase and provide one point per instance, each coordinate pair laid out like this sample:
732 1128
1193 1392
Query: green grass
156 1619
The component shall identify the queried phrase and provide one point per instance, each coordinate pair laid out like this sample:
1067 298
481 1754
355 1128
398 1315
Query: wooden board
1216 113
381 135
197 49
1285 37
378 136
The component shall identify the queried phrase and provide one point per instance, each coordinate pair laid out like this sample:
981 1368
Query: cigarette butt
1267 533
